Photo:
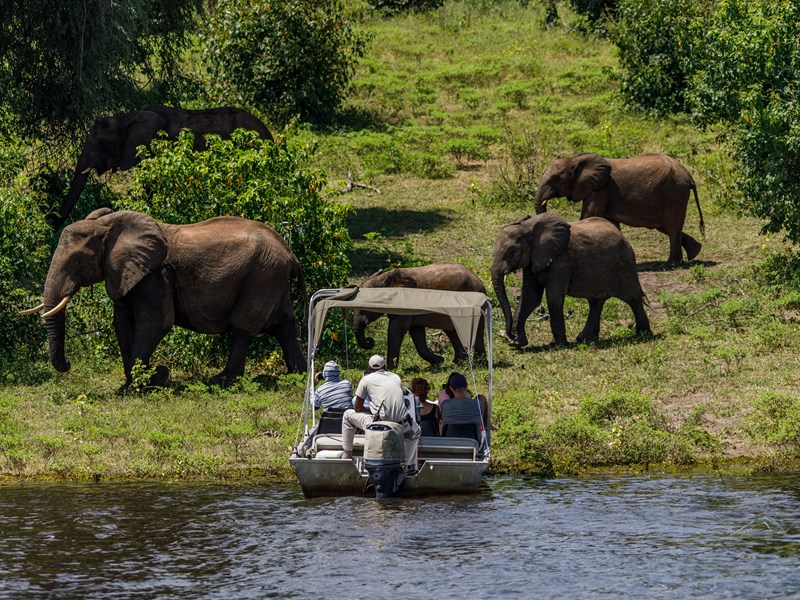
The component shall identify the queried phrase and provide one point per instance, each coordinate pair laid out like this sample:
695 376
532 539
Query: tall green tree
64 62
287 57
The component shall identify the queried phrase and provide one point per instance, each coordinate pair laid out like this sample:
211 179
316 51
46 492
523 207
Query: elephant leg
691 245
151 306
675 248
124 328
531 298
398 328
642 322
461 353
235 365
591 331
417 334
285 332
555 306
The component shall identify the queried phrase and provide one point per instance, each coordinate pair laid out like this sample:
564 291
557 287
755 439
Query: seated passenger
428 411
334 393
447 392
462 415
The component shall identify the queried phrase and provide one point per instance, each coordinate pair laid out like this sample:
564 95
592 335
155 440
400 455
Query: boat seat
334 442
449 448
462 430
331 421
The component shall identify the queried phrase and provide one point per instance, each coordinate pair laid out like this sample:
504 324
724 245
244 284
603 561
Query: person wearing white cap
387 403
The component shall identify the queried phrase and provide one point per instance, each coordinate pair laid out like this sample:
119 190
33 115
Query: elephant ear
139 128
135 247
591 173
549 238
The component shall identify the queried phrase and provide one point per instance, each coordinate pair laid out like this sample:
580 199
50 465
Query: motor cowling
384 455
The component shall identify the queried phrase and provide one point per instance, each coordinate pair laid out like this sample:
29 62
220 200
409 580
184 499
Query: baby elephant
587 259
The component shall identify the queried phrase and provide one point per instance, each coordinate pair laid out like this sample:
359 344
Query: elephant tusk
54 311
86 170
31 311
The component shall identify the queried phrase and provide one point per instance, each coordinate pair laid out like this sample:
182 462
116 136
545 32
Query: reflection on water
696 537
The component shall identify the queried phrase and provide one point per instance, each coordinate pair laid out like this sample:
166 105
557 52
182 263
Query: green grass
443 106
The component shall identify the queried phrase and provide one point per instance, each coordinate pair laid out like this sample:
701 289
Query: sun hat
330 370
376 362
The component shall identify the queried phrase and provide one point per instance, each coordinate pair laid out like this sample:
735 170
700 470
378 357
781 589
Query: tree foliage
734 62
287 57
64 63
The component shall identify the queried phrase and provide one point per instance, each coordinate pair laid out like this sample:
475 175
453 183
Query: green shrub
251 178
24 258
776 421
287 57
656 41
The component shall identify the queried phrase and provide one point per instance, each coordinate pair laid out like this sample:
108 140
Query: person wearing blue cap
462 415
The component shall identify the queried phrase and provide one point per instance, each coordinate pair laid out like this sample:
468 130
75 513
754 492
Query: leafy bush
251 178
24 256
287 57
766 78
656 41
776 421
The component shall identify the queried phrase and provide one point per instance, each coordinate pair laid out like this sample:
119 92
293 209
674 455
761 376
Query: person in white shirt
387 403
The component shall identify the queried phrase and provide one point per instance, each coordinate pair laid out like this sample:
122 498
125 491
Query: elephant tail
699 210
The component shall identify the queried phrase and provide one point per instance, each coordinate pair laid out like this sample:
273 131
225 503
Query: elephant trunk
55 290
499 285
75 189
360 323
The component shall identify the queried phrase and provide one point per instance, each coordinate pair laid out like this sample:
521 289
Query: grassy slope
463 72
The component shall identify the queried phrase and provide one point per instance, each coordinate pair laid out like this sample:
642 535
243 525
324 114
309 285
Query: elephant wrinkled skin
588 259
112 143
436 276
225 274
650 190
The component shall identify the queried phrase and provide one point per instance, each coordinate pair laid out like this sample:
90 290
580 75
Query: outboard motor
384 455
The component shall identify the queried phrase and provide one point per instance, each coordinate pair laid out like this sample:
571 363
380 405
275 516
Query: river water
638 537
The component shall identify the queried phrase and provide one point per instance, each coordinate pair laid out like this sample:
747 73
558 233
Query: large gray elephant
436 276
588 259
651 190
225 274
112 143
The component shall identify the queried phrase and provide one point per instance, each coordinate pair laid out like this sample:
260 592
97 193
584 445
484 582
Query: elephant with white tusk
651 190
221 275
588 259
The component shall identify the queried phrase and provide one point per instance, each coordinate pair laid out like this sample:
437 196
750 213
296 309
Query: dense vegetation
453 113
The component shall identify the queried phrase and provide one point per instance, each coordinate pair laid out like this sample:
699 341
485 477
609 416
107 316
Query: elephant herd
233 275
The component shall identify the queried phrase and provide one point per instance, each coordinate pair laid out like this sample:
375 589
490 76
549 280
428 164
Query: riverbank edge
253 475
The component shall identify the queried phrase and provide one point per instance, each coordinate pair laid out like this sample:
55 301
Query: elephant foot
587 338
223 380
517 342
436 361
692 248
160 377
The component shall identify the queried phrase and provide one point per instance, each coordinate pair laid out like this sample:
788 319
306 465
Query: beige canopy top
464 308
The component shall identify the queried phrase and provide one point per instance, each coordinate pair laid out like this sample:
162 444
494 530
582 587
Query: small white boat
447 465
